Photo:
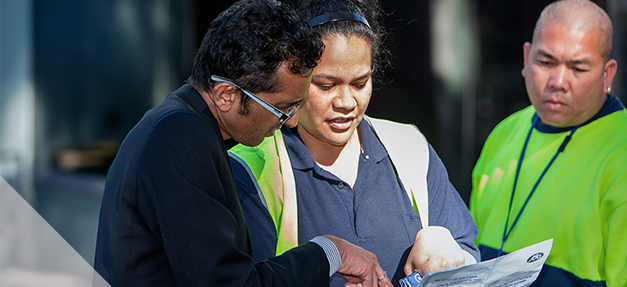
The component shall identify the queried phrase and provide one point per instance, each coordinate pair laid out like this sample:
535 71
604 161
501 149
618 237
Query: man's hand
435 249
359 266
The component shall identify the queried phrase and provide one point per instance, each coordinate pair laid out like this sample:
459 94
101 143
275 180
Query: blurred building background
75 76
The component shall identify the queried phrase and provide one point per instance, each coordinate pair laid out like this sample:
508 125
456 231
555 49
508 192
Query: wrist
331 251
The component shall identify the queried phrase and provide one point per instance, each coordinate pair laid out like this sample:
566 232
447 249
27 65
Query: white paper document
517 269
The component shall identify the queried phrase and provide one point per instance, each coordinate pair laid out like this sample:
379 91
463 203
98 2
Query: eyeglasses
283 117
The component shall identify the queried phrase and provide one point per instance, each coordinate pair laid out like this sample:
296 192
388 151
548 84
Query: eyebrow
329 77
584 61
287 105
283 105
580 62
545 54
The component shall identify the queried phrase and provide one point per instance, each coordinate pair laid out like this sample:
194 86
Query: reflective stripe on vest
270 169
409 152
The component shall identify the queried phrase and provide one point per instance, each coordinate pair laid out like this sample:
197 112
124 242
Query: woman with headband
375 183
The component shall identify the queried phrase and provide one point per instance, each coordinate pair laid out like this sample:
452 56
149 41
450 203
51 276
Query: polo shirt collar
302 160
299 155
371 145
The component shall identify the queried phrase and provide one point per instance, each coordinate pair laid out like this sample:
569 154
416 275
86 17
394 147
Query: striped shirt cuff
333 255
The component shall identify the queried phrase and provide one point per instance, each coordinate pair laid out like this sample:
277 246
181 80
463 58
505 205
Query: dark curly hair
249 41
369 9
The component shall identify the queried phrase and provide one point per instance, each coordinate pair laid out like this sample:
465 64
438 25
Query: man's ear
526 49
608 73
225 96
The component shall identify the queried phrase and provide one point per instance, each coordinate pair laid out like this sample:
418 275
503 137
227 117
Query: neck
208 98
344 162
325 153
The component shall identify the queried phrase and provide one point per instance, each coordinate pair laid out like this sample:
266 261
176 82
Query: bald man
558 168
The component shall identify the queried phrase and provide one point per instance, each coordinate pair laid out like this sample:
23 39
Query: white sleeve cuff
333 255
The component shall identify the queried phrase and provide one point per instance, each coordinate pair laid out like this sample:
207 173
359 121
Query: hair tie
337 16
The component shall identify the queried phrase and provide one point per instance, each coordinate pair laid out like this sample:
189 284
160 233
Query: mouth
554 104
341 123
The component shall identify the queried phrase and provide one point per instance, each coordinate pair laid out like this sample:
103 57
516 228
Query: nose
345 99
293 120
558 78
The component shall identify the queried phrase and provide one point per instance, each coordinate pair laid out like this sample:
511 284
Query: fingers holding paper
435 249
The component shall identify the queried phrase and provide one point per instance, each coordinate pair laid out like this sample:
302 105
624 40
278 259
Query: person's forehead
569 39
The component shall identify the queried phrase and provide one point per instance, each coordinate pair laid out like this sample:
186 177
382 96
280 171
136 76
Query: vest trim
407 162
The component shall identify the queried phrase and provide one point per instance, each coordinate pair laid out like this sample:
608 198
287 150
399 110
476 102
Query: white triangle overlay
32 253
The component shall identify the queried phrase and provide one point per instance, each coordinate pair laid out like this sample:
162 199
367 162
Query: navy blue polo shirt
375 213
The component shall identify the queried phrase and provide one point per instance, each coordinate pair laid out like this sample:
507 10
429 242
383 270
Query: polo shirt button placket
340 185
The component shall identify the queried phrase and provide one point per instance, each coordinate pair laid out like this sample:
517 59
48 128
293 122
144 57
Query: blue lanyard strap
506 233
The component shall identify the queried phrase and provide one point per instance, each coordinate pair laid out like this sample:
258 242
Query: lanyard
506 233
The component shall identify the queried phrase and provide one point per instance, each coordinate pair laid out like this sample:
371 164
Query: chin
251 142
554 121
338 141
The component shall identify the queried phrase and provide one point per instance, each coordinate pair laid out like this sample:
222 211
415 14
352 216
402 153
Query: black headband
337 16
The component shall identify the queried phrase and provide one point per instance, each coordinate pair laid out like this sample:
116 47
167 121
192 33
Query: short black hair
376 35
249 41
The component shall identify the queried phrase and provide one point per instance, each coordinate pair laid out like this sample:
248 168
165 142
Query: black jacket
171 216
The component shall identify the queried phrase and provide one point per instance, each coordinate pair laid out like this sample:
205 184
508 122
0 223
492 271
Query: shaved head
578 15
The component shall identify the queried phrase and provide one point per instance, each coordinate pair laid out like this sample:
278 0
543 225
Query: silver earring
609 90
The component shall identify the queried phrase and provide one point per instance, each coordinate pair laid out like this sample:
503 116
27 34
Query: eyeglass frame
283 117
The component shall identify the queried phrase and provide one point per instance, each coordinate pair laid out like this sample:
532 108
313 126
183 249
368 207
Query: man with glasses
170 213
283 117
